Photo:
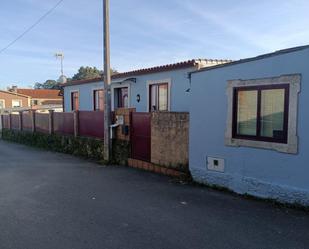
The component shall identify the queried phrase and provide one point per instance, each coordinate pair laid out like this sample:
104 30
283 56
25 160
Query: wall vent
215 164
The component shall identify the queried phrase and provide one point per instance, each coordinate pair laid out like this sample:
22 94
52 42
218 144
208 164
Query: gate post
21 120
76 123
32 116
10 121
51 121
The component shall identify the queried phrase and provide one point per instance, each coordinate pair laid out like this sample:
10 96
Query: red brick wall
125 112
8 97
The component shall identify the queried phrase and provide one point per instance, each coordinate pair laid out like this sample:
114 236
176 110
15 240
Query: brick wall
8 97
170 139
125 112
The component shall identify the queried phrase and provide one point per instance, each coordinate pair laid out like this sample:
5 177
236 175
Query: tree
48 84
85 73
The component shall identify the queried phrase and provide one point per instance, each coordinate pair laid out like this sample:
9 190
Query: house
85 95
162 88
248 125
10 100
42 97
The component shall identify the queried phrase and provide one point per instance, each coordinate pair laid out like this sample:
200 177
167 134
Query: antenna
60 55
62 79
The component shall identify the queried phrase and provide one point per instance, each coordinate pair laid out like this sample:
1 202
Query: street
56 201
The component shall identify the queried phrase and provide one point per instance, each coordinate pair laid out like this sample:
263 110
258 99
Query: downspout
197 66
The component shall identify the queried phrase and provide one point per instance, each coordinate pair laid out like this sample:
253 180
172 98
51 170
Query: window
98 100
121 97
16 103
74 101
262 113
35 102
2 103
158 97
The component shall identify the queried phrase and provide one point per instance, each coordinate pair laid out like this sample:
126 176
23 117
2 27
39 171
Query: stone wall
170 139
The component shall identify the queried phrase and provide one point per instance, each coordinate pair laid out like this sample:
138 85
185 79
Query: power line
31 27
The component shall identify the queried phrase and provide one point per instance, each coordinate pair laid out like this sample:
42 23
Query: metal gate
140 136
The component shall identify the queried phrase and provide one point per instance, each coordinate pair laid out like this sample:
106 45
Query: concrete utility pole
107 82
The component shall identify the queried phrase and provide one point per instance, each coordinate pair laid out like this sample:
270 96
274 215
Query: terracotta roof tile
157 69
40 93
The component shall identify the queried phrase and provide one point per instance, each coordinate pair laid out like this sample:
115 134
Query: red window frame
258 137
157 105
74 101
98 105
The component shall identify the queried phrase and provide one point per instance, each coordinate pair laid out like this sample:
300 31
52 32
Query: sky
143 33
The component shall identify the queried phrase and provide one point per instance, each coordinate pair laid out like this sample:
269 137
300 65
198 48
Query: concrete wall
263 173
85 95
170 139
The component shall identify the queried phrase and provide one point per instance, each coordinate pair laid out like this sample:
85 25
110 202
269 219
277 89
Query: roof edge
157 69
16 94
259 57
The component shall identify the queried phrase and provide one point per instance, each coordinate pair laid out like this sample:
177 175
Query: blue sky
143 33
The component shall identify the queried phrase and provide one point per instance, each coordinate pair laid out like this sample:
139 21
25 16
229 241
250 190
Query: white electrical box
120 120
215 164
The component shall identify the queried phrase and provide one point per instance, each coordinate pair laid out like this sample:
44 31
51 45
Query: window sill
290 148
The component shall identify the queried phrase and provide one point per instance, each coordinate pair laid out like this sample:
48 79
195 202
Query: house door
140 136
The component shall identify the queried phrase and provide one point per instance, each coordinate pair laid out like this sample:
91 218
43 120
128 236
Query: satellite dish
62 79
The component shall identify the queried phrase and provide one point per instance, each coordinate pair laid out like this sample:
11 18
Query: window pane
247 113
1 104
153 97
101 100
75 101
16 103
163 97
125 98
272 113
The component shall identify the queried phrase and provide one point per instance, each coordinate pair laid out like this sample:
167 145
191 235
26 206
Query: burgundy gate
140 136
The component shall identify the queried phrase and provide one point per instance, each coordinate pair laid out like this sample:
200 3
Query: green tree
48 84
85 73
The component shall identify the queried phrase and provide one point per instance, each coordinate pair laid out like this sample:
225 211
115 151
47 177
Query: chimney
13 89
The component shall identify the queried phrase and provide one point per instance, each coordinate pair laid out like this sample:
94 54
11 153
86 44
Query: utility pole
107 82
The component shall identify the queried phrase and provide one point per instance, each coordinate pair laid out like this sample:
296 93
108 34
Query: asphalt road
50 200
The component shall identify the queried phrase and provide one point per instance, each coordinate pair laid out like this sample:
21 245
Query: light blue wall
179 97
85 95
263 173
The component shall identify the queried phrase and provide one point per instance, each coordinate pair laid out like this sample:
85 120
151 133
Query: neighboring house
42 97
163 88
13 100
248 125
